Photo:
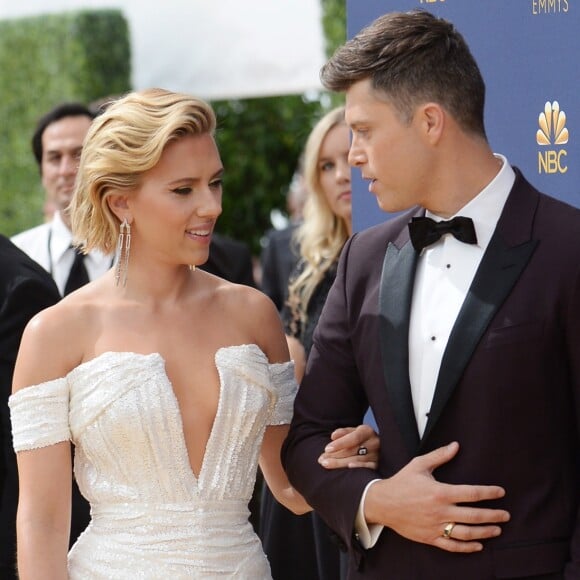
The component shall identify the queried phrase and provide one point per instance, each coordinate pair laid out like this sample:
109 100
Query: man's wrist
367 533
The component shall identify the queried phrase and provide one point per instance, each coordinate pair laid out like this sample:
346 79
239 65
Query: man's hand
419 508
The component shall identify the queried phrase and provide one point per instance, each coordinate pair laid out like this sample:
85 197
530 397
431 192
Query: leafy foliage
85 56
45 60
334 24
260 141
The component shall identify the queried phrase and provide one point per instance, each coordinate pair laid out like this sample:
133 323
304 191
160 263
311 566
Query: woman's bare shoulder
237 295
230 293
257 315
53 341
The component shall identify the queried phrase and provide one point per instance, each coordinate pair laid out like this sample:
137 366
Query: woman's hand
352 447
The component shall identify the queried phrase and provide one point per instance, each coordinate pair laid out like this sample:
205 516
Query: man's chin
63 202
389 206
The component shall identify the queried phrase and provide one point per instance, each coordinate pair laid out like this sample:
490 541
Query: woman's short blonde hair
124 142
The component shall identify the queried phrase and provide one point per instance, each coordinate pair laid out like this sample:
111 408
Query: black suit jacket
231 260
25 289
279 258
508 390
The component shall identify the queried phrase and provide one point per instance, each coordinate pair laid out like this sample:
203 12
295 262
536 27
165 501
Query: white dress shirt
445 271
444 274
49 244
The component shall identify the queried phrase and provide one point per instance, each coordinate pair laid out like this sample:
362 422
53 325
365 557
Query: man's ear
119 205
432 118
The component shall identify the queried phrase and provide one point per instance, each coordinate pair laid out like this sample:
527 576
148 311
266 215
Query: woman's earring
123 249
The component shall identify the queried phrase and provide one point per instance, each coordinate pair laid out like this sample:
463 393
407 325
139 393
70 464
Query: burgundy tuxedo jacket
508 391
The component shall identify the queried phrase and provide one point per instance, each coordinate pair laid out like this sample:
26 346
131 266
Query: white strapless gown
152 518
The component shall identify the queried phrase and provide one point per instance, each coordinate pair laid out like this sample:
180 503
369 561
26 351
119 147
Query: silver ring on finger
362 450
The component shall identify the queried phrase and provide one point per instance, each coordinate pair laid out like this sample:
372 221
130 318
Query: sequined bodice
151 516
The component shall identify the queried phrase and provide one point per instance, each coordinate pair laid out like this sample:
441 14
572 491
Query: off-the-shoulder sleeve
39 415
284 383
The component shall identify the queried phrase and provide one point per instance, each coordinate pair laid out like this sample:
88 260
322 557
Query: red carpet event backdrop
528 54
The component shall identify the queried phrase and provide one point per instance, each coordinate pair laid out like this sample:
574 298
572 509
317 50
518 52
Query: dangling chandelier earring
123 249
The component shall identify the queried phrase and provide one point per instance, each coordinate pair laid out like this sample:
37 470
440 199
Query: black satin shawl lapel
395 296
497 274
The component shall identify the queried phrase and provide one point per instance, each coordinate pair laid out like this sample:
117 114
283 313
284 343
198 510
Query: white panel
213 49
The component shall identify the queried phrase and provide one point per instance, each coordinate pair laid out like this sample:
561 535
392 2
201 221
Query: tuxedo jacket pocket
514 333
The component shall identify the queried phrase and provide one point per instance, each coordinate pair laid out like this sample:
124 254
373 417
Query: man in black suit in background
278 260
230 259
25 289
280 253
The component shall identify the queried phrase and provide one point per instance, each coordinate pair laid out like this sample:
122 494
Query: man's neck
64 218
464 178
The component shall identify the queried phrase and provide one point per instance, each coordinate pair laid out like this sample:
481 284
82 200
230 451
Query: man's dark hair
412 58
59 112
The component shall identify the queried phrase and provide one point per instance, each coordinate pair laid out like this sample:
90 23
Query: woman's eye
182 190
216 184
328 166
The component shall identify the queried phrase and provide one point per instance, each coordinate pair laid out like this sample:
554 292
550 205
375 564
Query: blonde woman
171 382
326 227
303 546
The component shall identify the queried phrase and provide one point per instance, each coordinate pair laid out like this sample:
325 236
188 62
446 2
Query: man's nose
69 165
356 155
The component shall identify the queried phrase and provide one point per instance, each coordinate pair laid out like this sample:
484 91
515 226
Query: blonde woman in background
303 546
171 382
326 227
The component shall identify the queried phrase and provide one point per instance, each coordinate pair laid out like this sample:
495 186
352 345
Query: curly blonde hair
124 142
322 234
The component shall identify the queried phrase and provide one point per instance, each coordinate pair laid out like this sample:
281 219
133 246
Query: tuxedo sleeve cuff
366 534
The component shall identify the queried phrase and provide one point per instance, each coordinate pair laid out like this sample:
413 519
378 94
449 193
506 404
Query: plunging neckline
196 478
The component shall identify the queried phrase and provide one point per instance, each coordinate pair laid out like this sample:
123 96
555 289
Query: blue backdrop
528 54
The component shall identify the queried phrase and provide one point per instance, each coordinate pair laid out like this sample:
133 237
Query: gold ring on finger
447 530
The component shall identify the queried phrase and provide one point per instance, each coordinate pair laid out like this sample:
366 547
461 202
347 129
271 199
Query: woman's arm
275 475
44 511
298 355
346 442
44 473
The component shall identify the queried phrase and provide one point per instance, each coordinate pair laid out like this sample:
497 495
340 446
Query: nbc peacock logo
552 132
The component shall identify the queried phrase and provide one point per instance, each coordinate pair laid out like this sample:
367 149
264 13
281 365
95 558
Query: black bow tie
424 231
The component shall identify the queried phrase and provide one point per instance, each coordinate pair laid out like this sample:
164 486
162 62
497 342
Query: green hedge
85 56
45 60
260 142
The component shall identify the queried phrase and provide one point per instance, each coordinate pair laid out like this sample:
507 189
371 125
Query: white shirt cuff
366 534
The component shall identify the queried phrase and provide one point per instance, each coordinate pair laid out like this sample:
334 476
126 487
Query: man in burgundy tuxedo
457 322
